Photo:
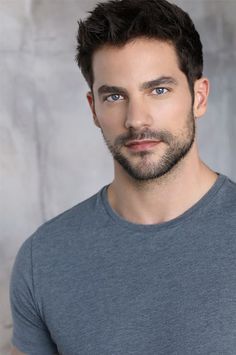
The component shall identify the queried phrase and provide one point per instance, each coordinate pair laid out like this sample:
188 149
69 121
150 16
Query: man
147 265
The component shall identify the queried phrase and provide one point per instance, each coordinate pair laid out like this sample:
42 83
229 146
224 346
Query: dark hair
117 22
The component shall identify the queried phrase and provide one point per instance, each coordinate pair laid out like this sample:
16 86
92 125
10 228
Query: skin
138 106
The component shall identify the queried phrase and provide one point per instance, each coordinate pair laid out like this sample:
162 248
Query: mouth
141 145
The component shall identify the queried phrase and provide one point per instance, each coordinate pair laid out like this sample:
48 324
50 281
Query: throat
155 203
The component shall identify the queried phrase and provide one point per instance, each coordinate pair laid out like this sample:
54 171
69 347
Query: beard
146 169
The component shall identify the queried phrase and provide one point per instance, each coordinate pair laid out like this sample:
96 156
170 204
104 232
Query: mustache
163 136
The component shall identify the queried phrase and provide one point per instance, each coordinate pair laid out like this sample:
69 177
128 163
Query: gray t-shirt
91 283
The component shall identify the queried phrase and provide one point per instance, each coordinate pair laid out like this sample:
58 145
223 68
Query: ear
90 99
201 92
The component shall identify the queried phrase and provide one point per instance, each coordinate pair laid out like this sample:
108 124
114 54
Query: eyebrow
163 80
106 89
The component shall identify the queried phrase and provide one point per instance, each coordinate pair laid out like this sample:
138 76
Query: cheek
170 114
111 118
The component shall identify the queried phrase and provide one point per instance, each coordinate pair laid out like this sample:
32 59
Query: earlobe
201 92
90 99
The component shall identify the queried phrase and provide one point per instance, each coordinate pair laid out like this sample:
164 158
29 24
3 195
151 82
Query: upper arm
30 332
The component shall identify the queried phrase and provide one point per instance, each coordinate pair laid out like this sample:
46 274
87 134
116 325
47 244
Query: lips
141 145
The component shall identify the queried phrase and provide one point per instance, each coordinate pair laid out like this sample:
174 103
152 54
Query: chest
145 300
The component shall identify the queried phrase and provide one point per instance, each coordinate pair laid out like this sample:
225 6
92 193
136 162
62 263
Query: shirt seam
159 228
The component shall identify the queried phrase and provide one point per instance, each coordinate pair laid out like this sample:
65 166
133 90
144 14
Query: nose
137 114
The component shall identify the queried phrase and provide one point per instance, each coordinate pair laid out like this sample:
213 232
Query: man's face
142 103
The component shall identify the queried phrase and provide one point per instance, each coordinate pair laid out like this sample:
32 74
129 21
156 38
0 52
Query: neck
162 199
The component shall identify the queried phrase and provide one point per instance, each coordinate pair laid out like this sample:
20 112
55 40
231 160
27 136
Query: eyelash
161 88
158 88
107 97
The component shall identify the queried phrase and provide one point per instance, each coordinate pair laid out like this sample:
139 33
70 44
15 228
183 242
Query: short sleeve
30 334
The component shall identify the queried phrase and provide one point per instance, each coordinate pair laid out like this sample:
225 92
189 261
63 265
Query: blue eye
160 91
114 97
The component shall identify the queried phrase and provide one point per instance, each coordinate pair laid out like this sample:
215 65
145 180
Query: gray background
51 154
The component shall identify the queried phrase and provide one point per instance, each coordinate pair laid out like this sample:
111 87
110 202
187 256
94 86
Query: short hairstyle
117 22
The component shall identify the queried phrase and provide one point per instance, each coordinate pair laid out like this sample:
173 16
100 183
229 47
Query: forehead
141 59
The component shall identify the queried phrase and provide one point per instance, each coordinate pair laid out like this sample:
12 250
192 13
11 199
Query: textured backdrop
51 154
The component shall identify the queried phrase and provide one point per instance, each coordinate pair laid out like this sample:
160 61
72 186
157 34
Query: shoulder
75 215
227 193
70 222
54 242
223 206
61 232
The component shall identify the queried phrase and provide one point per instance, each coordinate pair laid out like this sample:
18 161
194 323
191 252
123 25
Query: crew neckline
204 200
